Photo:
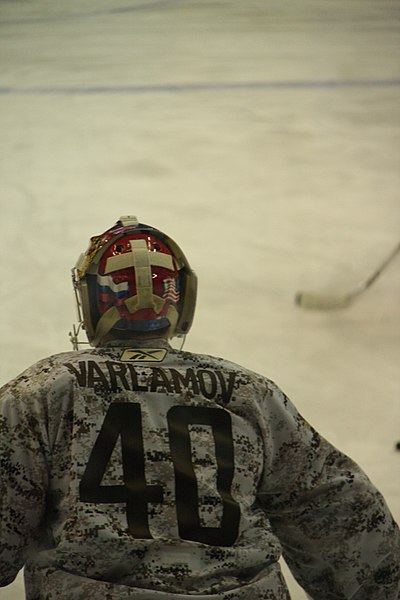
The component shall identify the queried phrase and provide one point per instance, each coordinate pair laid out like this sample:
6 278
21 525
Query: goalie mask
133 279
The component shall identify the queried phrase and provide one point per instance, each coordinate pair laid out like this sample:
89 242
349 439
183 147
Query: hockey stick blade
319 301
315 301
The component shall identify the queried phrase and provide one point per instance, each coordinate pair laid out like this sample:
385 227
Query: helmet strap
112 316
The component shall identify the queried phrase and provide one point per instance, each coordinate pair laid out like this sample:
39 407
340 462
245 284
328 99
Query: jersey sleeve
338 536
23 475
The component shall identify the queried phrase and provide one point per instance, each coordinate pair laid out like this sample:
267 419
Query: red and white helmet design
134 278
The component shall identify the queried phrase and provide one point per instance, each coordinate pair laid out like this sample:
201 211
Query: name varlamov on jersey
115 376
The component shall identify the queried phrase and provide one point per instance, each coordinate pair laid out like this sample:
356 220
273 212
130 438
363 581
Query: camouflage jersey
154 474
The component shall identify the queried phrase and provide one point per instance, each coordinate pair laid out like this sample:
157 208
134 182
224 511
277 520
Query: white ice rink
263 135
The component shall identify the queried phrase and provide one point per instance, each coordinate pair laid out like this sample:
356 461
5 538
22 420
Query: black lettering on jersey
96 375
160 380
135 386
187 379
208 383
81 375
187 501
122 419
205 382
226 386
117 375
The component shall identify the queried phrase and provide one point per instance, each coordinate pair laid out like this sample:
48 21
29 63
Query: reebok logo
144 355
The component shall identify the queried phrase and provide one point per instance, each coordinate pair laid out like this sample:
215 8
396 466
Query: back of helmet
133 281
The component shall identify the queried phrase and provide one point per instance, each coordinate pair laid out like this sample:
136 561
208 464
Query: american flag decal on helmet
170 291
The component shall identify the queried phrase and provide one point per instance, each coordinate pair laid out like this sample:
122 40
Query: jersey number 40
125 420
